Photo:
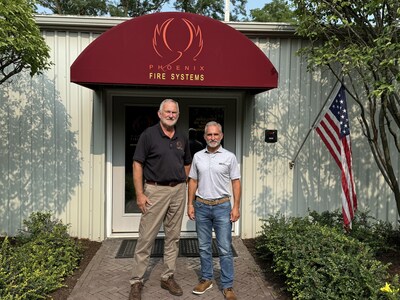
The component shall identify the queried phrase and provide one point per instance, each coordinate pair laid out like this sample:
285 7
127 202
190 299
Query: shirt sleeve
193 168
140 151
234 169
188 157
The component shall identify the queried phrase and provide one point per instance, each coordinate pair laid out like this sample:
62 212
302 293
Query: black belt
164 183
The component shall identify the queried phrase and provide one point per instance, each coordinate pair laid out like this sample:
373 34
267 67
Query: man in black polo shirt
161 161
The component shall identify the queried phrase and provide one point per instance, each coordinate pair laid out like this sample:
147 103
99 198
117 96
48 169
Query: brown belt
213 202
164 183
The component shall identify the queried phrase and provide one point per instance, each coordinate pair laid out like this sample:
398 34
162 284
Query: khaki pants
168 204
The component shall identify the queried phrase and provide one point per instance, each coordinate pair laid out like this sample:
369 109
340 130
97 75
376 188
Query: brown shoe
171 285
229 294
136 291
202 286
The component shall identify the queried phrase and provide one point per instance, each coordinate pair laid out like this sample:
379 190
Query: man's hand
235 214
190 212
142 202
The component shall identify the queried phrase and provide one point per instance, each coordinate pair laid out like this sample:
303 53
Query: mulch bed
90 248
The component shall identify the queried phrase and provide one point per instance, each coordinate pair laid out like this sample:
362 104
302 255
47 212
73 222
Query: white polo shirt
214 173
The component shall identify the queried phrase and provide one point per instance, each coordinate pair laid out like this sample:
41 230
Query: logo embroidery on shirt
179 145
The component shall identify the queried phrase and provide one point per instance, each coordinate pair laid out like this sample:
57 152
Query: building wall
52 155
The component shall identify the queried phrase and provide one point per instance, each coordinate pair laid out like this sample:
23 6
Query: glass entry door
130 117
137 119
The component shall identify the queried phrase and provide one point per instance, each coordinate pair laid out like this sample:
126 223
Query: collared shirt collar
163 134
220 149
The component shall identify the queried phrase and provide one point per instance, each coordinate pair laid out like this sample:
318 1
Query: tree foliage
76 7
359 42
21 44
275 11
212 8
135 8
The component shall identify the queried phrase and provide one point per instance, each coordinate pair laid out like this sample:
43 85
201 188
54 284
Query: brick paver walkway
107 277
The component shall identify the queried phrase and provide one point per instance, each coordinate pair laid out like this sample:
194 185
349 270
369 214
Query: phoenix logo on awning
190 44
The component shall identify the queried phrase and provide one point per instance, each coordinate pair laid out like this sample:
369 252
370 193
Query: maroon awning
174 49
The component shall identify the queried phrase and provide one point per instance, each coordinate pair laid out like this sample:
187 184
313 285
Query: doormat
187 248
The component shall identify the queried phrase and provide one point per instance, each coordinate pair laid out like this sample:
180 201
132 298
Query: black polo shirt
163 158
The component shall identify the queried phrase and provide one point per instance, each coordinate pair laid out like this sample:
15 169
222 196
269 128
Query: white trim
109 166
238 150
81 23
101 24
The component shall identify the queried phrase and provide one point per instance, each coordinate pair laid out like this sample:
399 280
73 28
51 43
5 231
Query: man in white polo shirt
214 170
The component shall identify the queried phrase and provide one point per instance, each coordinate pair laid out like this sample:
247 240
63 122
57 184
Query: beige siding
78 178
47 151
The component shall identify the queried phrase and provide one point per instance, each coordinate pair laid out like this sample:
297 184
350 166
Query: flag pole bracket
291 164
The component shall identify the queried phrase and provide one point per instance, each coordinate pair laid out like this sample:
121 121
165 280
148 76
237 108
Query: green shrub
320 261
378 234
36 265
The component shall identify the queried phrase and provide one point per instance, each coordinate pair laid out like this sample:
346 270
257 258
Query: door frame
237 96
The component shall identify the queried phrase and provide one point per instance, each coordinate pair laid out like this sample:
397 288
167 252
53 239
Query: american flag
334 131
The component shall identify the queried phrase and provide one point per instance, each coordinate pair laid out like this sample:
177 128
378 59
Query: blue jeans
217 217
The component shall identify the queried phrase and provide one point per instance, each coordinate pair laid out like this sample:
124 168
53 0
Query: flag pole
227 10
293 161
